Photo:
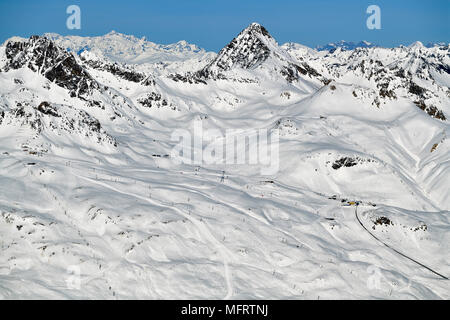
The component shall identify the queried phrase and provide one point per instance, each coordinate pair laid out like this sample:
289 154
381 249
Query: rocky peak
248 50
41 55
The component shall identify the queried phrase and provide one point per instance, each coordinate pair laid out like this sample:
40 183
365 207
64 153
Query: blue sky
212 24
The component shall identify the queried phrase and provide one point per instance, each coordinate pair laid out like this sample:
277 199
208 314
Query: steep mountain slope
95 202
57 65
254 49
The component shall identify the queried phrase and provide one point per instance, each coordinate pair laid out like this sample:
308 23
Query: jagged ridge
56 64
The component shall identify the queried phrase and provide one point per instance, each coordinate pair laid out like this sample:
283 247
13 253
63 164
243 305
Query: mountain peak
248 50
256 26
42 55
416 45
113 32
345 45
255 29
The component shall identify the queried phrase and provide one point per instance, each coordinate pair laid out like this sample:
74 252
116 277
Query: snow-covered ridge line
129 49
124 48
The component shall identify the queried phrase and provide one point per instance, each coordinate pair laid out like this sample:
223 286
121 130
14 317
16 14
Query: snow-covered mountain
345 45
435 44
116 47
94 203
255 57
128 49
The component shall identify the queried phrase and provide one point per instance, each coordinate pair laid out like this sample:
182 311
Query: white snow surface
152 57
114 206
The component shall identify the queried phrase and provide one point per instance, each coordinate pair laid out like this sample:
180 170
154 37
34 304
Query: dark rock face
120 71
349 162
431 110
191 78
344 162
415 89
154 99
293 71
41 55
92 123
247 50
441 68
380 221
250 49
46 108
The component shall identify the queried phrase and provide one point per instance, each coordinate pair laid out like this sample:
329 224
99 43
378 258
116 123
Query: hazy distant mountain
345 45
